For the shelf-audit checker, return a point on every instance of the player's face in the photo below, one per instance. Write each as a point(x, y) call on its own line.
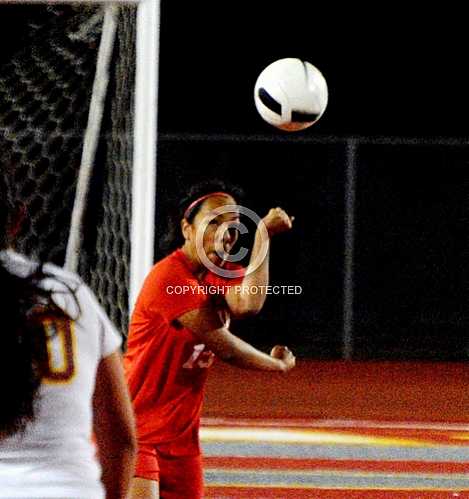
point(221, 232)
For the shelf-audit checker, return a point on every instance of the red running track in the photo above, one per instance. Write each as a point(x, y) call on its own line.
point(370, 430)
point(441, 472)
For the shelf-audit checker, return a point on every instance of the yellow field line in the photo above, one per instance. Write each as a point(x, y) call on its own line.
point(304, 437)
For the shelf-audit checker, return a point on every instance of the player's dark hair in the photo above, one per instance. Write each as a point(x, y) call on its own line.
point(173, 238)
point(22, 309)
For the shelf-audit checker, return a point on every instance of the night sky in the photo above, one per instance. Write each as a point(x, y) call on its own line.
point(390, 70)
point(392, 74)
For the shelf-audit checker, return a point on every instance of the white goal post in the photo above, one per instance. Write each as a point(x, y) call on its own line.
point(142, 225)
point(145, 137)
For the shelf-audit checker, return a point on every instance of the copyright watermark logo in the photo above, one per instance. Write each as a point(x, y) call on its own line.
point(219, 238)
point(267, 289)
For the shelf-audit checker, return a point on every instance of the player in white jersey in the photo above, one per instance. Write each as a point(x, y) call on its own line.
point(61, 379)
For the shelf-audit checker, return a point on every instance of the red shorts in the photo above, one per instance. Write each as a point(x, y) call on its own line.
point(179, 477)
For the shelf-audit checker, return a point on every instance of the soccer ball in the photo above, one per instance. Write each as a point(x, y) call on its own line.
point(291, 94)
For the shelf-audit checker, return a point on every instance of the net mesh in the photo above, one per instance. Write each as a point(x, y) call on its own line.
point(106, 254)
point(45, 92)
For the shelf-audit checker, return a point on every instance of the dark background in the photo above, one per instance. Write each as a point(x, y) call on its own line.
point(396, 121)
point(398, 87)
point(390, 70)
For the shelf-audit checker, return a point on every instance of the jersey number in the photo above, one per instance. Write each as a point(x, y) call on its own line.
point(60, 350)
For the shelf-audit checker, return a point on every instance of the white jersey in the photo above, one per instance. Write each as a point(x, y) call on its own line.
point(55, 456)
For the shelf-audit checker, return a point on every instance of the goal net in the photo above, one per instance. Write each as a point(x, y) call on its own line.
point(46, 88)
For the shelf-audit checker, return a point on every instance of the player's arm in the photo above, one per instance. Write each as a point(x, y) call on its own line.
point(114, 427)
point(215, 335)
point(241, 299)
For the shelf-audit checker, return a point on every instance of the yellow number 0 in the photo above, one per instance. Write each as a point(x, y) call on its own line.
point(60, 340)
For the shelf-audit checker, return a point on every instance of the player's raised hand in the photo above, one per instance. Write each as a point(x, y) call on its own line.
point(277, 221)
point(285, 355)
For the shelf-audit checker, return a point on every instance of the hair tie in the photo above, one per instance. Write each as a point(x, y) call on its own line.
point(203, 198)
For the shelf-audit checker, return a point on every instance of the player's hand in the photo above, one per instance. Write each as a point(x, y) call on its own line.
point(285, 355)
point(277, 221)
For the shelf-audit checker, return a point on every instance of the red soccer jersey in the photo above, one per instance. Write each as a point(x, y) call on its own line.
point(165, 364)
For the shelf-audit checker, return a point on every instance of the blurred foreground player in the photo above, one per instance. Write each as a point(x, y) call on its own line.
point(178, 327)
point(61, 371)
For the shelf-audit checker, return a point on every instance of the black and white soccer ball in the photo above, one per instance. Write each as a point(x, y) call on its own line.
point(291, 94)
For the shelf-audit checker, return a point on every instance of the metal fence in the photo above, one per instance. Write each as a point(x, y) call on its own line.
point(380, 244)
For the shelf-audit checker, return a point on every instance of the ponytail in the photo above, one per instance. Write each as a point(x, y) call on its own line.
point(23, 308)
point(25, 359)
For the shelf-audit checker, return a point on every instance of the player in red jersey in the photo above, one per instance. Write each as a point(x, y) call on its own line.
point(177, 328)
